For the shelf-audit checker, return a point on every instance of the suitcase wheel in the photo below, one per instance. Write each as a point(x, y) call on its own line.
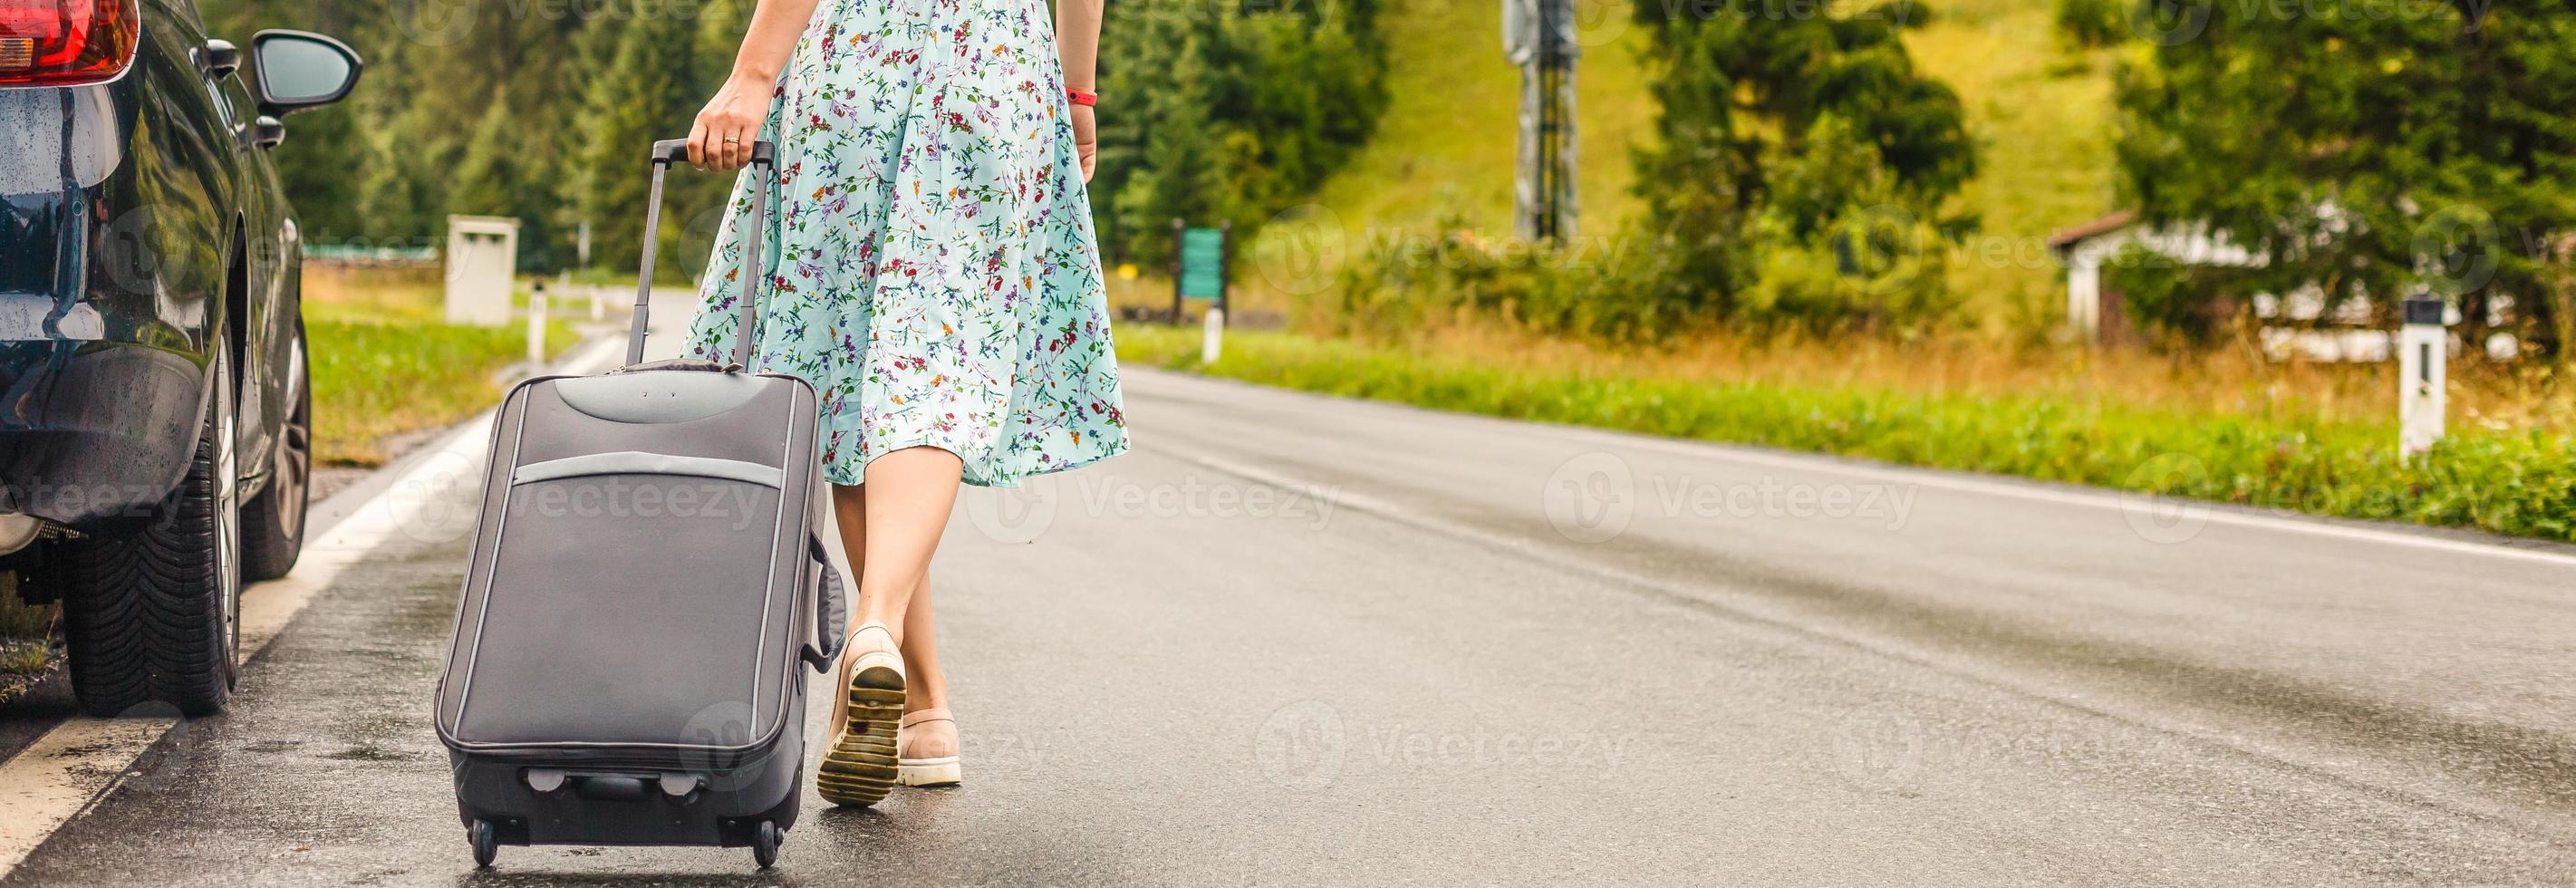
point(764, 843)
point(487, 842)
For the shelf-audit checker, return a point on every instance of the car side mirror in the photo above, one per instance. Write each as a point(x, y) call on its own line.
point(299, 70)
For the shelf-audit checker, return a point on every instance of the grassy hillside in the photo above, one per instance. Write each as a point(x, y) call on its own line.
point(1445, 146)
point(2041, 114)
point(2039, 111)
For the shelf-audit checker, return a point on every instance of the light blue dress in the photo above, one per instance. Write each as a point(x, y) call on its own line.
point(934, 272)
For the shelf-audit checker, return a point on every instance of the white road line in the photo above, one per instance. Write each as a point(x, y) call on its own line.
point(1951, 479)
point(82, 760)
point(2196, 510)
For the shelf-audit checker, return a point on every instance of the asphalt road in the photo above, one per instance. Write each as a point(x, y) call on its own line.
point(1297, 639)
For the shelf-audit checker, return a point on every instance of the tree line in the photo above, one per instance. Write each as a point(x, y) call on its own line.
point(540, 110)
point(1803, 173)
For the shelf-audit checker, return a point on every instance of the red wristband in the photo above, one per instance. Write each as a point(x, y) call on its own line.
point(1081, 98)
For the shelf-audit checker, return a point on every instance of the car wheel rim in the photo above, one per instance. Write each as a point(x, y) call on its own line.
point(227, 505)
point(295, 447)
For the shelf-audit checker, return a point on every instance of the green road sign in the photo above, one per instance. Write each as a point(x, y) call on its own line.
point(1202, 263)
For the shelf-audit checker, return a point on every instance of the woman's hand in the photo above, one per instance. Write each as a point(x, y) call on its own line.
point(721, 139)
point(1086, 139)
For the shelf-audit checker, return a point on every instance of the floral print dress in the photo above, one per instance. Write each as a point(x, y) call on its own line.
point(930, 253)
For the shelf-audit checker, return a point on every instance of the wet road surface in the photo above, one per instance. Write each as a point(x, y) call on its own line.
point(1296, 639)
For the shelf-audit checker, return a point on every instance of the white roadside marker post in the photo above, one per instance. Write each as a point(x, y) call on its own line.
point(1211, 344)
point(2423, 347)
point(598, 303)
point(537, 327)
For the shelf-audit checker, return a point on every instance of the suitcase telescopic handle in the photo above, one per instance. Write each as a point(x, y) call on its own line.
point(665, 153)
point(668, 151)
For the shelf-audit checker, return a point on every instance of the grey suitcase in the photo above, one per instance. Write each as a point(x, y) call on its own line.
point(645, 589)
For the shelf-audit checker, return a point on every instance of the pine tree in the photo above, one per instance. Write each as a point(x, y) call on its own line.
point(1740, 92)
point(488, 183)
point(624, 109)
point(2368, 154)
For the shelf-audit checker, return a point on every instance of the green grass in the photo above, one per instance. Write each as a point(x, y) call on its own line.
point(2512, 483)
point(384, 365)
point(27, 650)
point(1445, 146)
point(1446, 143)
point(2040, 112)
point(372, 380)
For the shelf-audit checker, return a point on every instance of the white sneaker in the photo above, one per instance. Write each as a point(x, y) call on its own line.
point(926, 749)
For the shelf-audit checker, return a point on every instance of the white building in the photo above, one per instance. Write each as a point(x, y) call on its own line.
point(2097, 315)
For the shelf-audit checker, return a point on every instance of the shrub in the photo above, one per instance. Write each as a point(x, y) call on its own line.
point(2171, 304)
point(2093, 22)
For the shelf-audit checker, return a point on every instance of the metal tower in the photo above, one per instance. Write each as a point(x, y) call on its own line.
point(1538, 36)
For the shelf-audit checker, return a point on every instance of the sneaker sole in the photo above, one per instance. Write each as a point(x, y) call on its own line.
point(928, 772)
point(860, 768)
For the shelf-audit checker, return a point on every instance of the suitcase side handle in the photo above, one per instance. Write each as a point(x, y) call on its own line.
point(665, 153)
point(830, 610)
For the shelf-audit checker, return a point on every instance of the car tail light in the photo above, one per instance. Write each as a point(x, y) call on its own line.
point(66, 42)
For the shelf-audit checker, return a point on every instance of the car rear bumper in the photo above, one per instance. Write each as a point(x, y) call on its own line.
point(91, 433)
point(104, 303)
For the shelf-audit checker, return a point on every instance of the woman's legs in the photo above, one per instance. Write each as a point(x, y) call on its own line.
point(890, 525)
point(926, 686)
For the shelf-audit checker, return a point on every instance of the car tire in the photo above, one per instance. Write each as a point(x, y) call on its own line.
point(273, 524)
point(154, 613)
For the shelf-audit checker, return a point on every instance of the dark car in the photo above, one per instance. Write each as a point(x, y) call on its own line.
point(155, 431)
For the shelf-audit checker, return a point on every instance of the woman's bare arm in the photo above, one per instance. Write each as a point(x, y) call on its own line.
point(1077, 41)
point(742, 103)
